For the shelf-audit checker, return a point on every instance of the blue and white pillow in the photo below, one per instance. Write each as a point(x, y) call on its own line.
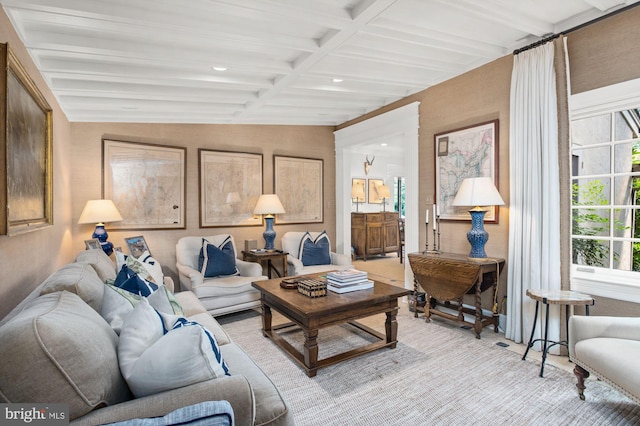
point(153, 267)
point(315, 252)
point(117, 303)
point(217, 261)
point(158, 352)
point(129, 280)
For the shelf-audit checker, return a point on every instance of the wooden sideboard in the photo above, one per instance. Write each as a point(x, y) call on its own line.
point(448, 277)
point(374, 233)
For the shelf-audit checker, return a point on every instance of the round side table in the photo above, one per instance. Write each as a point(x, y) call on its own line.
point(554, 297)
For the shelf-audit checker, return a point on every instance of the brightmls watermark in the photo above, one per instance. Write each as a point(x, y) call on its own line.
point(34, 414)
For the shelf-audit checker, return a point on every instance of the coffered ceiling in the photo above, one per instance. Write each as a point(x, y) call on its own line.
point(320, 62)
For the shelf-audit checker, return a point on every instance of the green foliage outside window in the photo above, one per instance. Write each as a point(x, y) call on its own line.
point(588, 222)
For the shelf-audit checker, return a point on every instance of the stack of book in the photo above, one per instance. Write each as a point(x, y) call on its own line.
point(348, 280)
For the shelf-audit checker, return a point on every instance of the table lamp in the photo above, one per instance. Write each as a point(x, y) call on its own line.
point(99, 212)
point(269, 205)
point(479, 192)
point(357, 194)
point(384, 193)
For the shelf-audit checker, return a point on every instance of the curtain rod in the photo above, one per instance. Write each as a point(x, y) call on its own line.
point(577, 27)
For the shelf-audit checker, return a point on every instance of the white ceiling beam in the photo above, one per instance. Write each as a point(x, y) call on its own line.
point(362, 16)
point(605, 5)
point(500, 15)
point(421, 36)
point(186, 34)
point(60, 77)
point(312, 12)
point(91, 64)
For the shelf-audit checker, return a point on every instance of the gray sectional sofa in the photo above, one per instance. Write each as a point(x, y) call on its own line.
point(56, 347)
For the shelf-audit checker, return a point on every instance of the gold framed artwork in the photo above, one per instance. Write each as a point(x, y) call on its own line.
point(146, 182)
point(26, 183)
point(372, 191)
point(230, 185)
point(298, 182)
point(468, 152)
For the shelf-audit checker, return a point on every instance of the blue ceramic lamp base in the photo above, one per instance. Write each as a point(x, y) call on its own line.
point(477, 236)
point(101, 234)
point(269, 234)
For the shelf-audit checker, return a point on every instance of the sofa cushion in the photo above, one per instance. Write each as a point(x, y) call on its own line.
point(207, 321)
point(190, 303)
point(117, 303)
point(217, 260)
point(315, 251)
point(99, 260)
point(189, 353)
point(270, 405)
point(164, 301)
point(59, 349)
point(153, 267)
point(78, 278)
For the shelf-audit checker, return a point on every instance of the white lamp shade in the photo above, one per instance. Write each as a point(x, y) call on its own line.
point(383, 191)
point(268, 204)
point(99, 211)
point(357, 192)
point(478, 191)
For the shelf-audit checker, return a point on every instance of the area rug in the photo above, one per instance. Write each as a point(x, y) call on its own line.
point(435, 376)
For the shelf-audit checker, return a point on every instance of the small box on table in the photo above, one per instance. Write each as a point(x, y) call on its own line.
point(312, 287)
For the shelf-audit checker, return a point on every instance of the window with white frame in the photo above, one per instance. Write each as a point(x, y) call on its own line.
point(605, 211)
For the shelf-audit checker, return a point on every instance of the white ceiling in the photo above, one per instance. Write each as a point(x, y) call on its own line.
point(152, 60)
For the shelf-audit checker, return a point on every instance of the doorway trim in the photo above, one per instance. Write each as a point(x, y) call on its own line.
point(401, 123)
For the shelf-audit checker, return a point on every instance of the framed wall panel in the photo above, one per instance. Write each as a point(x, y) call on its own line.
point(298, 182)
point(230, 185)
point(26, 193)
point(146, 182)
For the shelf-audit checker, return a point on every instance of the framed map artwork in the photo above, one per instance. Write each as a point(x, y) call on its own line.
point(146, 182)
point(230, 185)
point(465, 153)
point(298, 182)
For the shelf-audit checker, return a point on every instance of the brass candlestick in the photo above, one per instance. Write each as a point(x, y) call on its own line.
point(436, 238)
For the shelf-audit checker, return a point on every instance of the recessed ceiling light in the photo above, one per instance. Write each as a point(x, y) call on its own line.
point(383, 144)
point(220, 68)
point(338, 80)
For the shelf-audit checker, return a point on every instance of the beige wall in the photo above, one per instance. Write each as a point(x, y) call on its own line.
point(301, 141)
point(606, 52)
point(27, 259)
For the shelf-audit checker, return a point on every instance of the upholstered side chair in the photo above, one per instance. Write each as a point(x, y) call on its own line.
point(220, 280)
point(292, 243)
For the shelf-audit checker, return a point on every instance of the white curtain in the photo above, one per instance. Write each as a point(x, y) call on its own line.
point(534, 211)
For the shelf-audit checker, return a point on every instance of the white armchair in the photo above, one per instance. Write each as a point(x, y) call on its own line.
point(608, 347)
point(222, 294)
point(291, 244)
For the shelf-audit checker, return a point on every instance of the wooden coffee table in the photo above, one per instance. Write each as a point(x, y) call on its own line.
point(312, 314)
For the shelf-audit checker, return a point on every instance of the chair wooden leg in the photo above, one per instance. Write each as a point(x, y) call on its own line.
point(581, 374)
